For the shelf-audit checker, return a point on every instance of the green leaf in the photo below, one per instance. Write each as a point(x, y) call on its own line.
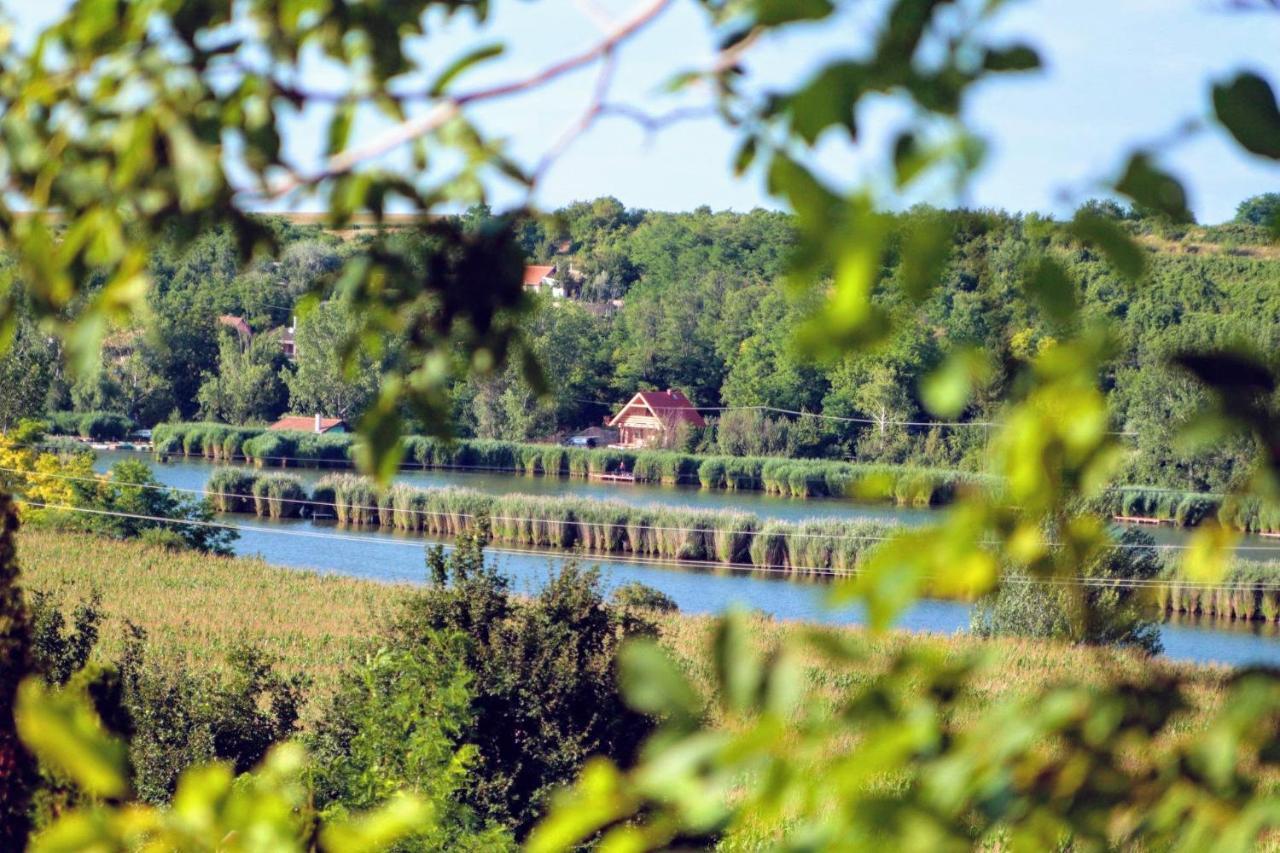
point(340, 127)
point(745, 157)
point(773, 13)
point(1122, 252)
point(1053, 291)
point(1246, 106)
point(461, 64)
point(947, 390)
point(653, 684)
point(402, 816)
point(1154, 188)
point(739, 669)
point(924, 256)
point(62, 730)
point(596, 800)
point(1017, 58)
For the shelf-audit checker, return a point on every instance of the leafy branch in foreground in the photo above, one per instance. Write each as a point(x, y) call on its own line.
point(885, 768)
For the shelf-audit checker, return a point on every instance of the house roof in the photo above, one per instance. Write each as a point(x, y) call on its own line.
point(236, 323)
point(533, 275)
point(302, 423)
point(670, 406)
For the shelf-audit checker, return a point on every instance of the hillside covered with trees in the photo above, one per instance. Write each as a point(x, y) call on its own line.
point(699, 301)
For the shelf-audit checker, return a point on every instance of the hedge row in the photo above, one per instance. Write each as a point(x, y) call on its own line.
point(905, 485)
point(603, 527)
point(99, 426)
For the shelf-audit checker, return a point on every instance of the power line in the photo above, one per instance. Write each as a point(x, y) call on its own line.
point(822, 416)
point(1084, 582)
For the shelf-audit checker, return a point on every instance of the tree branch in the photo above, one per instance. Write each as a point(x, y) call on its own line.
point(450, 107)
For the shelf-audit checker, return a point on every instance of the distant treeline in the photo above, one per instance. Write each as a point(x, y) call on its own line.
point(903, 484)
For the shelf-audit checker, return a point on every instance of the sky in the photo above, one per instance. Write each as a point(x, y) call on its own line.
point(1119, 73)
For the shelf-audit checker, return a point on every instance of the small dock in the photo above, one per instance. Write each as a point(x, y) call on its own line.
point(615, 477)
point(1141, 519)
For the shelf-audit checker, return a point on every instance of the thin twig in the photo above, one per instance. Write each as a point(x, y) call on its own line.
point(450, 107)
point(582, 124)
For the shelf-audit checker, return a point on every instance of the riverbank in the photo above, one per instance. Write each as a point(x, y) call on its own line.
point(196, 608)
point(902, 485)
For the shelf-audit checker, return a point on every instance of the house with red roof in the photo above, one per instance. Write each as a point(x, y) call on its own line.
point(542, 279)
point(302, 423)
point(651, 418)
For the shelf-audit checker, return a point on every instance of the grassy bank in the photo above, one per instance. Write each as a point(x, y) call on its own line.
point(900, 484)
point(195, 608)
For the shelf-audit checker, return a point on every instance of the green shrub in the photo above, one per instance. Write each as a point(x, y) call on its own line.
point(643, 597)
point(105, 426)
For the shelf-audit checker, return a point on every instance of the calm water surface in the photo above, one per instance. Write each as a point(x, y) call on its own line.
point(385, 556)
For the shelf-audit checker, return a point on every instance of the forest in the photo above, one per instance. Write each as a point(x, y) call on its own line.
point(699, 301)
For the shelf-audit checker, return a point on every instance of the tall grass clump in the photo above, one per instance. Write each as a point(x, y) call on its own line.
point(279, 496)
point(272, 449)
point(231, 490)
point(353, 500)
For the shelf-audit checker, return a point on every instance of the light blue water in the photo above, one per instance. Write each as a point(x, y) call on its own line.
point(385, 556)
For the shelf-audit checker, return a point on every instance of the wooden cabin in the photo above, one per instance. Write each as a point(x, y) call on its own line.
point(650, 418)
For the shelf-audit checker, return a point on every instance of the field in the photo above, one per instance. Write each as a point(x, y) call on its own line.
point(194, 608)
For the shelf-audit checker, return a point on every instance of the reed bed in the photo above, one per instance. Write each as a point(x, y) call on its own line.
point(1249, 592)
point(602, 527)
point(195, 608)
point(1187, 509)
point(801, 478)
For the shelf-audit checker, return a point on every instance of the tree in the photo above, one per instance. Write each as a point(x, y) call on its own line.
point(246, 386)
point(398, 723)
point(26, 372)
point(323, 380)
point(544, 688)
point(1261, 210)
point(139, 506)
point(16, 769)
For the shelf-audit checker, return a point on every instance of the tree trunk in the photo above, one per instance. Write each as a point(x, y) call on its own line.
point(16, 770)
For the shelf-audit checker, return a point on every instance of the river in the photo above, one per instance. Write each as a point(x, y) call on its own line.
point(386, 556)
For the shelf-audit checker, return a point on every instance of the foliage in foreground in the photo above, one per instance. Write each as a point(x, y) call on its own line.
point(1109, 603)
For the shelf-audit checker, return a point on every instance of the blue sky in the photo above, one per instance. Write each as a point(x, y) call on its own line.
point(1119, 73)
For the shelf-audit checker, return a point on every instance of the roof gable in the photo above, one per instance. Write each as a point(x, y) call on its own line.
point(533, 275)
point(668, 407)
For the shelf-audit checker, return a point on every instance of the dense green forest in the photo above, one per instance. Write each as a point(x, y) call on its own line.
point(699, 301)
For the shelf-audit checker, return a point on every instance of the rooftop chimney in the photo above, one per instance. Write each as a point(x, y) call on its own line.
point(317, 422)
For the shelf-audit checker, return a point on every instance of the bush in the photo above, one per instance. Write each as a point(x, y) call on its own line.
point(545, 687)
point(643, 596)
point(105, 426)
point(1090, 615)
point(279, 496)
